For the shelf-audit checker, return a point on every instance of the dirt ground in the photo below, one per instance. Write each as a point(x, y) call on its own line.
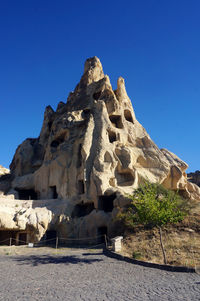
point(181, 242)
point(39, 251)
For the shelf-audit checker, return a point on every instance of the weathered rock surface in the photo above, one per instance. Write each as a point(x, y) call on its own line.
point(194, 177)
point(3, 171)
point(33, 217)
point(5, 180)
point(90, 153)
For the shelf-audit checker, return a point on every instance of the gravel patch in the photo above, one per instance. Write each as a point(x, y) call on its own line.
point(89, 275)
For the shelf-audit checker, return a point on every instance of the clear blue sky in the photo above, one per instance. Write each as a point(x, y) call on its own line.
point(153, 44)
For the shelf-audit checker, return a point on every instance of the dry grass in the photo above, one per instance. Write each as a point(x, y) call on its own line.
point(41, 251)
point(181, 242)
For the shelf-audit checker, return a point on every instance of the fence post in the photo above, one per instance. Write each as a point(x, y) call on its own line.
point(105, 241)
point(56, 243)
point(10, 244)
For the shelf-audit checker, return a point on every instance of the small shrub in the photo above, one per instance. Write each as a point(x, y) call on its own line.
point(153, 206)
point(136, 255)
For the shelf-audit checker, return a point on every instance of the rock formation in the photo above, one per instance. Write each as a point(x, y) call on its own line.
point(90, 154)
point(3, 171)
point(194, 177)
point(5, 180)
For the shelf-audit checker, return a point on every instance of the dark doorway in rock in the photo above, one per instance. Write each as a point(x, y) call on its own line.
point(116, 121)
point(97, 95)
point(7, 237)
point(54, 143)
point(82, 209)
point(79, 157)
point(81, 187)
point(22, 239)
point(102, 234)
point(50, 237)
point(58, 141)
point(27, 194)
point(86, 113)
point(112, 136)
point(125, 179)
point(54, 194)
point(105, 202)
point(128, 116)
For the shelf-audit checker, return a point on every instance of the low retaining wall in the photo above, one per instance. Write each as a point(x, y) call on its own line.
point(149, 264)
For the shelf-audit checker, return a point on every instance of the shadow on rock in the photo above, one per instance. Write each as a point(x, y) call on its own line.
point(45, 259)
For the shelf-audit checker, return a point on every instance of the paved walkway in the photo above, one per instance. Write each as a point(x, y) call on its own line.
point(90, 275)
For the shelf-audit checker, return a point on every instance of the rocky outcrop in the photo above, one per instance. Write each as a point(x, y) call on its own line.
point(91, 153)
point(5, 180)
point(194, 177)
point(3, 171)
point(31, 217)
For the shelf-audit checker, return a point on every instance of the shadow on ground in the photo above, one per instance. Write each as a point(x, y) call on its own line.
point(89, 254)
point(47, 259)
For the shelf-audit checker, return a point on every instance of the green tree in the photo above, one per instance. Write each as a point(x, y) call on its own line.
point(153, 205)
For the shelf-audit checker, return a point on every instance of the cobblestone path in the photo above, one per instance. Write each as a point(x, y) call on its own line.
point(90, 275)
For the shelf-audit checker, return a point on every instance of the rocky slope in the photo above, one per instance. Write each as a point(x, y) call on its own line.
point(91, 152)
point(181, 241)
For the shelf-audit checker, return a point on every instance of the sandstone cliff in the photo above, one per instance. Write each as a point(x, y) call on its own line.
point(91, 152)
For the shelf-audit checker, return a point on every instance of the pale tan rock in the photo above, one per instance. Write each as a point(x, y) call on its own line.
point(91, 154)
point(4, 171)
point(31, 216)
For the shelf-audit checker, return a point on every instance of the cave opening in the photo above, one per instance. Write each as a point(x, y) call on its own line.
point(55, 143)
point(86, 113)
point(81, 187)
point(82, 209)
point(7, 237)
point(10, 237)
point(112, 136)
point(22, 238)
point(101, 234)
point(54, 194)
point(50, 237)
point(105, 202)
point(97, 95)
point(116, 121)
point(27, 194)
point(125, 179)
point(128, 116)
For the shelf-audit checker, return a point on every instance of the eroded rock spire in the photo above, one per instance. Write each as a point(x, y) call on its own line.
point(91, 153)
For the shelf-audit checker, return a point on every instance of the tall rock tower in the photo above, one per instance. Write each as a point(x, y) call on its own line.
point(92, 152)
